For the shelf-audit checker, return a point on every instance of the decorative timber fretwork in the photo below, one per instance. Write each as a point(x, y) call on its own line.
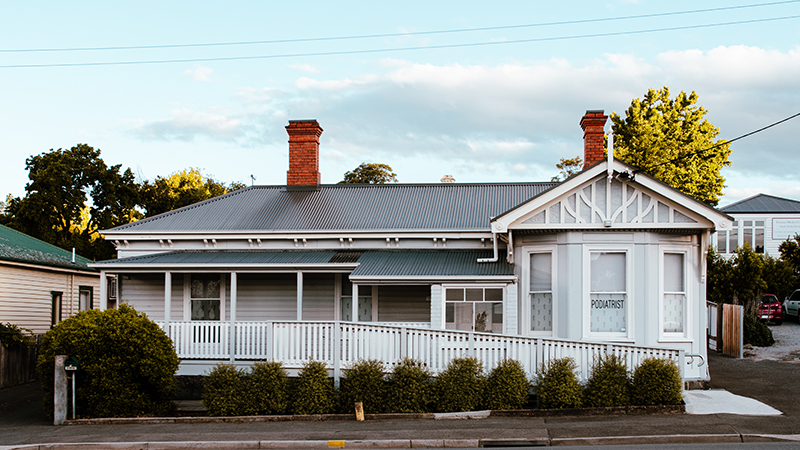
point(600, 203)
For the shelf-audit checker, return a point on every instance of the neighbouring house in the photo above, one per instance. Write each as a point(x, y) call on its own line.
point(41, 284)
point(604, 262)
point(764, 221)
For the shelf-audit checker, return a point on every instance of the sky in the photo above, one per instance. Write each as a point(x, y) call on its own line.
point(482, 91)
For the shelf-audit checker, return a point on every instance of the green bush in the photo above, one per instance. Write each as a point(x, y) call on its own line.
point(12, 336)
point(225, 391)
point(756, 332)
point(314, 393)
point(557, 385)
point(363, 381)
point(609, 383)
point(657, 382)
point(506, 386)
point(409, 387)
point(127, 363)
point(267, 389)
point(460, 386)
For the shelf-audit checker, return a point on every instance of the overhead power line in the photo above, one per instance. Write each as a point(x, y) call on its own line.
point(397, 49)
point(404, 34)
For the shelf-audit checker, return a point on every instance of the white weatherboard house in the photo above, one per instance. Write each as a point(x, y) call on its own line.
point(763, 221)
point(603, 262)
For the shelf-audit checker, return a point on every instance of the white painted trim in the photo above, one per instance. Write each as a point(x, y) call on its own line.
point(103, 291)
point(525, 309)
point(436, 279)
point(299, 295)
point(153, 267)
point(243, 235)
point(630, 334)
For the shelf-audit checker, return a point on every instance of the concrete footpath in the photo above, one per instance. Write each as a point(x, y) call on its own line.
point(24, 426)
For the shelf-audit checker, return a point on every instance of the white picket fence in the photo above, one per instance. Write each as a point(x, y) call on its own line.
point(341, 343)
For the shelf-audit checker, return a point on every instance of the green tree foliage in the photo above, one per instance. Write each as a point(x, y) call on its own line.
point(370, 173)
point(71, 196)
point(409, 387)
point(557, 385)
point(180, 189)
point(127, 361)
point(719, 288)
point(506, 386)
point(747, 281)
point(779, 277)
point(609, 383)
point(756, 332)
point(13, 336)
point(790, 252)
point(460, 386)
point(670, 140)
point(363, 382)
point(657, 382)
point(568, 168)
point(314, 394)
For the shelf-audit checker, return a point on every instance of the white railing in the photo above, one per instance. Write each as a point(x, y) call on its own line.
point(340, 343)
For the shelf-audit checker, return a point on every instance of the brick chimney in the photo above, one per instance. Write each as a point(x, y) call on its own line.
point(592, 124)
point(303, 153)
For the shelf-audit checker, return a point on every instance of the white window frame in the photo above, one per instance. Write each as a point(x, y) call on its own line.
point(674, 336)
point(187, 295)
point(629, 334)
point(483, 286)
point(525, 304)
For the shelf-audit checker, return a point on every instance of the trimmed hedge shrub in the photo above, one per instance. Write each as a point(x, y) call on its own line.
point(557, 385)
point(409, 387)
point(657, 382)
point(506, 386)
point(225, 391)
point(756, 332)
point(609, 383)
point(12, 336)
point(267, 388)
point(363, 382)
point(127, 363)
point(460, 386)
point(314, 393)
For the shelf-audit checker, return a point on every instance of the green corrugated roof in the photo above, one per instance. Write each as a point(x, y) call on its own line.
point(19, 247)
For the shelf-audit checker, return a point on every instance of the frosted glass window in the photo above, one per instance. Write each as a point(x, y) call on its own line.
point(674, 293)
point(608, 301)
point(608, 272)
point(540, 292)
point(541, 271)
point(673, 272)
point(205, 296)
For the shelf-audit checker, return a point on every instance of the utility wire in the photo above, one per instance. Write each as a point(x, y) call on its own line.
point(397, 49)
point(697, 152)
point(385, 35)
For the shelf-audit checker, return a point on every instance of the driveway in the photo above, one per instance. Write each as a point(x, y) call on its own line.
point(786, 347)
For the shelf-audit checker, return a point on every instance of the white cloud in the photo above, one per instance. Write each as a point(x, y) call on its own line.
point(187, 125)
point(304, 68)
point(199, 73)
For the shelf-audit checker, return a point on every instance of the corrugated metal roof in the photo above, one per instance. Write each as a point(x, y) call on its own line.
point(19, 247)
point(763, 203)
point(373, 263)
point(443, 206)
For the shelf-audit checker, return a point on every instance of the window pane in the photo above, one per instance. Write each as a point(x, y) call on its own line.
point(454, 295)
point(364, 289)
point(541, 312)
point(759, 245)
point(608, 272)
point(748, 223)
point(488, 317)
point(205, 285)
point(541, 271)
point(673, 313)
point(364, 307)
point(747, 237)
point(609, 313)
point(347, 287)
point(494, 295)
point(722, 240)
point(459, 316)
point(205, 309)
point(474, 295)
point(673, 272)
point(733, 240)
point(759, 223)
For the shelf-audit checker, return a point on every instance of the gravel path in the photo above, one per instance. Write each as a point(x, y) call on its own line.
point(785, 348)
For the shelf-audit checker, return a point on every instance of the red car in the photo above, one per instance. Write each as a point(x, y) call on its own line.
point(770, 309)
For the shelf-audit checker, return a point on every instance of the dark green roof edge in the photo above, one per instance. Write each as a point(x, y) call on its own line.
point(16, 246)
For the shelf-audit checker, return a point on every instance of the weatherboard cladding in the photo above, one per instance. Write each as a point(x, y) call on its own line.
point(451, 206)
point(763, 203)
point(19, 247)
point(371, 263)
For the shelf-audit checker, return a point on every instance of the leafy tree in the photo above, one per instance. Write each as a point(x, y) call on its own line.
point(568, 168)
point(369, 173)
point(779, 277)
point(181, 189)
point(790, 252)
point(748, 283)
point(670, 140)
point(73, 195)
point(719, 270)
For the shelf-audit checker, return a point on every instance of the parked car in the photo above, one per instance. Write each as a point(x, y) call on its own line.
point(770, 309)
point(791, 306)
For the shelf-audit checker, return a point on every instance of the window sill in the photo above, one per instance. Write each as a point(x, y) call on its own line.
point(682, 340)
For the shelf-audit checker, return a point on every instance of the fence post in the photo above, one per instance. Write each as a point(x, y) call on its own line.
point(471, 338)
point(60, 391)
point(270, 341)
point(337, 352)
point(682, 364)
point(403, 342)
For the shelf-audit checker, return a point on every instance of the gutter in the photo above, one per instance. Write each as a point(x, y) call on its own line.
point(494, 246)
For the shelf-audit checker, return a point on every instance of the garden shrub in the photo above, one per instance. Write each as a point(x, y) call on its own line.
point(127, 363)
point(756, 332)
point(314, 392)
point(409, 387)
point(225, 391)
point(460, 386)
point(609, 383)
point(506, 386)
point(657, 381)
point(557, 385)
point(267, 388)
point(12, 336)
point(363, 381)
